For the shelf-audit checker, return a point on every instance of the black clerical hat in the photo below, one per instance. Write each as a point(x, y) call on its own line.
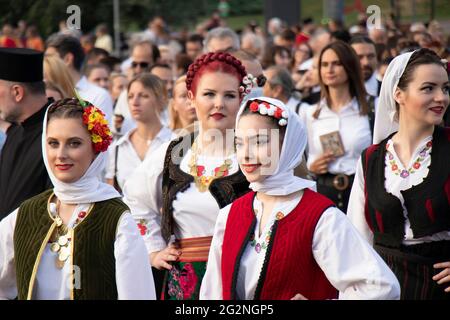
point(21, 65)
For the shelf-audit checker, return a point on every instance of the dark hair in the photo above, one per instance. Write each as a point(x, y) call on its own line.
point(68, 108)
point(214, 61)
point(110, 61)
point(342, 35)
point(349, 60)
point(195, 38)
point(183, 61)
point(95, 52)
point(361, 39)
point(419, 57)
point(273, 120)
point(89, 68)
point(65, 44)
point(34, 88)
point(288, 35)
point(269, 55)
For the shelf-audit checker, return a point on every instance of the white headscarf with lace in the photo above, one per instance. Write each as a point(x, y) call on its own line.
point(283, 181)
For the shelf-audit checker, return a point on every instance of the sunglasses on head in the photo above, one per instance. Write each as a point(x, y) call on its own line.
point(143, 65)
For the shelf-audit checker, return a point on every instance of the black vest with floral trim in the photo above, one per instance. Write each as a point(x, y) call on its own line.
point(427, 204)
point(225, 189)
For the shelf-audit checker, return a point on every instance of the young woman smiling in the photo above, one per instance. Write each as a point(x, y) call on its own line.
point(401, 197)
point(78, 233)
point(177, 193)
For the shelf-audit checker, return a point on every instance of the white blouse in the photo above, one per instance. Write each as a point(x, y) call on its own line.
point(127, 158)
point(395, 182)
point(194, 212)
point(353, 128)
point(349, 263)
point(134, 277)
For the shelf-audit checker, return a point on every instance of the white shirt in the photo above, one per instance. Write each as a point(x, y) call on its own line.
point(97, 96)
point(394, 184)
point(134, 277)
point(372, 85)
point(194, 212)
point(349, 262)
point(353, 128)
point(128, 121)
point(292, 103)
point(127, 158)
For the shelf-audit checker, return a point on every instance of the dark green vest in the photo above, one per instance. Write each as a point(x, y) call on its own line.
point(93, 246)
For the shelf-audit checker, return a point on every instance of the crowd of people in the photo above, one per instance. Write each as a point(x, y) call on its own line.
point(305, 162)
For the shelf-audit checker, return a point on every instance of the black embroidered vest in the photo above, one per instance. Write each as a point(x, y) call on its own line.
point(225, 189)
point(93, 247)
point(427, 204)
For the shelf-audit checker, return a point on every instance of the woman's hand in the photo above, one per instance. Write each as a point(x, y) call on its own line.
point(444, 275)
point(320, 165)
point(161, 259)
point(298, 296)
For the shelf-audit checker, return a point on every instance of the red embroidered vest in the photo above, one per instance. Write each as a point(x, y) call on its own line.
point(289, 267)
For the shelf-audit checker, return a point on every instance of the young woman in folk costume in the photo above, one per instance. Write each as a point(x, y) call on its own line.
point(178, 192)
point(77, 240)
point(283, 240)
point(401, 197)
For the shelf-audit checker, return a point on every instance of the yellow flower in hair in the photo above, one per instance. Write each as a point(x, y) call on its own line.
point(96, 138)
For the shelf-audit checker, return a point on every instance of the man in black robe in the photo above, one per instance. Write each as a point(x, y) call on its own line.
point(23, 103)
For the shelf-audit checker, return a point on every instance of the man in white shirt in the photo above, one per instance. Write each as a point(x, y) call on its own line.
point(367, 54)
point(69, 49)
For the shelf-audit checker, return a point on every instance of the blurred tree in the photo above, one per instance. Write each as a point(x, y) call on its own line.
point(135, 14)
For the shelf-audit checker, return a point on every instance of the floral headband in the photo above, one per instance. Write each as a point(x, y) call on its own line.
point(249, 82)
point(265, 108)
point(97, 125)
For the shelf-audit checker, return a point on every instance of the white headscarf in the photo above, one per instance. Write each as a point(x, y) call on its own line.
point(385, 124)
point(283, 181)
point(89, 188)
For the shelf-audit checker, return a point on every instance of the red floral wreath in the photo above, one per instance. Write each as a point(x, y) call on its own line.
point(97, 126)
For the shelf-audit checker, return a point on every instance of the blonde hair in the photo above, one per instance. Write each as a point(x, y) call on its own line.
point(174, 117)
point(57, 72)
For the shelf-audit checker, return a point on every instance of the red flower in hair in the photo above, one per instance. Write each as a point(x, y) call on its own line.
point(97, 126)
point(278, 113)
point(254, 106)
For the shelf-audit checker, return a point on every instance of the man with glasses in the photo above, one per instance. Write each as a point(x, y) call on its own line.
point(142, 58)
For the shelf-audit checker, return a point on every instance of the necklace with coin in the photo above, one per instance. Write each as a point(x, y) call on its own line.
point(60, 239)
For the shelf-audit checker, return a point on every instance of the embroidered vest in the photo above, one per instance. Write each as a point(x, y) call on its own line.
point(289, 266)
point(427, 204)
point(224, 189)
point(93, 247)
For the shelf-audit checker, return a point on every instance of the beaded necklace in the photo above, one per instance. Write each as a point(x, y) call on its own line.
point(202, 181)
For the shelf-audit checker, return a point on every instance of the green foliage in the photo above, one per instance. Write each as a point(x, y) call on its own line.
point(134, 14)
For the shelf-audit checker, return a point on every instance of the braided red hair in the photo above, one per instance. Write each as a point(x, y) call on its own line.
point(213, 62)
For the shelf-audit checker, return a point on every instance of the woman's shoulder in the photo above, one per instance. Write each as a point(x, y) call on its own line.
point(42, 197)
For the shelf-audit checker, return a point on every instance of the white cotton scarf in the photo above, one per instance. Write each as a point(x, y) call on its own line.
point(89, 188)
point(283, 181)
point(385, 122)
